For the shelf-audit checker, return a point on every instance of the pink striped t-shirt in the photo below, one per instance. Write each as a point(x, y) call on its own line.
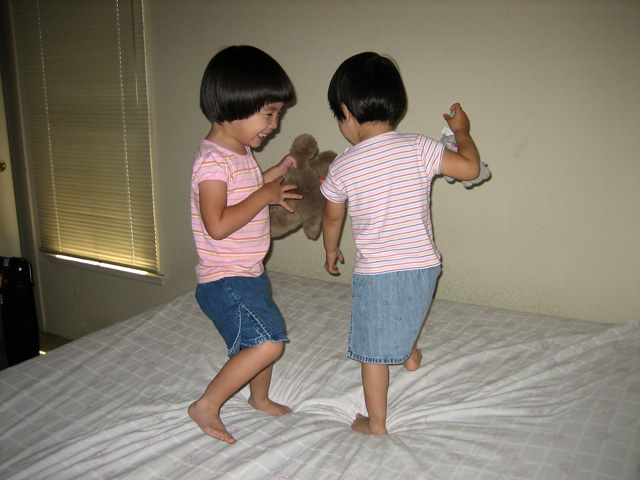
point(387, 182)
point(242, 252)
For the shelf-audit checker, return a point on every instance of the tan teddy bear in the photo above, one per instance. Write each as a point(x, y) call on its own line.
point(311, 170)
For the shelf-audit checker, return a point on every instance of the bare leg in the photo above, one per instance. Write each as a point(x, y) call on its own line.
point(413, 362)
point(259, 398)
point(239, 370)
point(375, 381)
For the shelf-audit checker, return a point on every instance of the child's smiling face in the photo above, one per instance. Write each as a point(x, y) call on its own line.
point(252, 131)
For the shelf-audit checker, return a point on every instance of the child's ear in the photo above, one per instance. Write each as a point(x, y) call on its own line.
point(346, 112)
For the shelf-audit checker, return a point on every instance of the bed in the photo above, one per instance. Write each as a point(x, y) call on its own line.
point(500, 394)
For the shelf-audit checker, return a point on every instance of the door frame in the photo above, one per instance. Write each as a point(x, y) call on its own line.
point(17, 153)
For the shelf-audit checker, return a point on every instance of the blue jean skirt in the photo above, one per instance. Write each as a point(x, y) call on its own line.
point(242, 310)
point(387, 314)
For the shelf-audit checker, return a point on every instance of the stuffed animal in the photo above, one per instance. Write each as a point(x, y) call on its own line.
point(449, 140)
point(311, 170)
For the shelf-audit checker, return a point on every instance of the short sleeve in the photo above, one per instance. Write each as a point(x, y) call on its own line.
point(210, 168)
point(332, 189)
point(431, 151)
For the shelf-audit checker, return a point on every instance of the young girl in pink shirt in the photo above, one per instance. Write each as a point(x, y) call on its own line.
point(243, 92)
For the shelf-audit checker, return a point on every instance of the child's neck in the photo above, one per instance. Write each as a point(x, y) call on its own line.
point(371, 129)
point(219, 135)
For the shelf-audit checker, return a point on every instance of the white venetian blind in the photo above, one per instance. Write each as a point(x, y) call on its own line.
point(82, 73)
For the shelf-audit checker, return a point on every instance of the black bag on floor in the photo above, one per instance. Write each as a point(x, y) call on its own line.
point(19, 332)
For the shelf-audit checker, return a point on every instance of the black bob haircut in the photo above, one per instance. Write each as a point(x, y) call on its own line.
point(371, 87)
point(239, 81)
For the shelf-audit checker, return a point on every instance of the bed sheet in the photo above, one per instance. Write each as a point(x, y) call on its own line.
point(500, 394)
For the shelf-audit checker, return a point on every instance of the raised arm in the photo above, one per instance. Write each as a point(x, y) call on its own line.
point(465, 163)
point(280, 169)
point(221, 220)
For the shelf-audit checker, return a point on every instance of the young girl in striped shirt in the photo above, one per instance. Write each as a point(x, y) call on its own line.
point(386, 178)
point(243, 92)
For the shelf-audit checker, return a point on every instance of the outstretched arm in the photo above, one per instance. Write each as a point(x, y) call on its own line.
point(221, 220)
point(332, 219)
point(465, 163)
point(280, 169)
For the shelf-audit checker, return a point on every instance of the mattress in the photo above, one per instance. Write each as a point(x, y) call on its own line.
point(500, 394)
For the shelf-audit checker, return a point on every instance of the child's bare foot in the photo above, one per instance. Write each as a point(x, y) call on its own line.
point(363, 424)
point(269, 406)
point(414, 361)
point(208, 419)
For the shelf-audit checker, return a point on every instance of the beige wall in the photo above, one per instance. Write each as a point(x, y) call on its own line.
point(551, 88)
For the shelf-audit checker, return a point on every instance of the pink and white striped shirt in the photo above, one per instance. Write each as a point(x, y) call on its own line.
point(242, 252)
point(387, 182)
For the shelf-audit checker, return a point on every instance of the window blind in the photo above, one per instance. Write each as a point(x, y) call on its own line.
point(81, 66)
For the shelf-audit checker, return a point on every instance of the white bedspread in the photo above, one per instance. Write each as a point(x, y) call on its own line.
point(501, 394)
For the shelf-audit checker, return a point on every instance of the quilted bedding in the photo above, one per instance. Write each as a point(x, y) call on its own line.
point(500, 394)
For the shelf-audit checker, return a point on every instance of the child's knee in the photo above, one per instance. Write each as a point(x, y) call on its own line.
point(272, 349)
point(277, 348)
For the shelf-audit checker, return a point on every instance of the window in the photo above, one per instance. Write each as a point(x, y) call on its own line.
point(81, 69)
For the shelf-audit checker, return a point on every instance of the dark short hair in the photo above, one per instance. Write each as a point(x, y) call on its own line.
point(371, 87)
point(239, 81)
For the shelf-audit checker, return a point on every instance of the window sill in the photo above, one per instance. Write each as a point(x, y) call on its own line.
point(103, 269)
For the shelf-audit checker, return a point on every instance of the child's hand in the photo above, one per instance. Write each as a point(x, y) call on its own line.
point(331, 265)
point(280, 168)
point(457, 119)
point(278, 193)
point(286, 163)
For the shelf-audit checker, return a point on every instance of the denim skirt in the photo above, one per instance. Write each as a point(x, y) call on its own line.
point(387, 314)
point(242, 310)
